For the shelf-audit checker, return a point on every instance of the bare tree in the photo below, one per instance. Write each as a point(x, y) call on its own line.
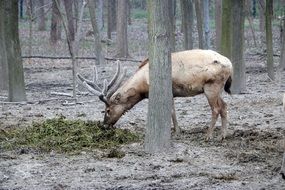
point(112, 12)
point(12, 50)
point(171, 9)
point(122, 25)
point(41, 15)
point(3, 57)
point(226, 28)
point(282, 58)
point(239, 79)
point(73, 46)
point(206, 23)
point(261, 15)
point(218, 23)
point(198, 5)
point(55, 29)
point(269, 43)
point(100, 15)
point(157, 138)
point(187, 22)
point(98, 47)
point(68, 5)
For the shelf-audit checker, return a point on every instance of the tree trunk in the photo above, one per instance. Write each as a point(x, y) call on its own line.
point(16, 83)
point(98, 47)
point(122, 25)
point(157, 138)
point(41, 15)
point(239, 78)
point(226, 28)
point(261, 15)
point(55, 29)
point(171, 8)
point(69, 14)
point(282, 58)
point(3, 56)
point(206, 23)
point(199, 23)
point(218, 23)
point(269, 43)
point(187, 22)
point(112, 12)
point(100, 15)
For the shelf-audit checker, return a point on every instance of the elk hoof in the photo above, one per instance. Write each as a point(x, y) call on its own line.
point(208, 138)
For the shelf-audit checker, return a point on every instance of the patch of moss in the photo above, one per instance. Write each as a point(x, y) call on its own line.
point(63, 135)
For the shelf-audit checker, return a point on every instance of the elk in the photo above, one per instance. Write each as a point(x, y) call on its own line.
point(193, 72)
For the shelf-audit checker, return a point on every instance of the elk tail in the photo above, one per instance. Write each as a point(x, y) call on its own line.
point(228, 84)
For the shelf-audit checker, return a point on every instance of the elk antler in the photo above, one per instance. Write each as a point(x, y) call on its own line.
point(108, 89)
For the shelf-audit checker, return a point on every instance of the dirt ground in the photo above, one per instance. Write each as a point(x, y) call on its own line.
point(249, 158)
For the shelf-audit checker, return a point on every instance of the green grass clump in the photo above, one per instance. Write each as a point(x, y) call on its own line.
point(63, 135)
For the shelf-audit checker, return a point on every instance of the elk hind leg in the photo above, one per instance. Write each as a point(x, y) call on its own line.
point(212, 94)
point(224, 115)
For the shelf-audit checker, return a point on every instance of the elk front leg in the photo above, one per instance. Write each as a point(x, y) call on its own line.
point(177, 129)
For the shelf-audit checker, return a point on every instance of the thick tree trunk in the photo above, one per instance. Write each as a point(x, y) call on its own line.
point(69, 14)
point(172, 5)
point(16, 83)
point(187, 22)
point(112, 12)
point(239, 79)
point(91, 6)
point(199, 22)
point(122, 25)
point(218, 23)
point(41, 15)
point(226, 28)
point(157, 138)
point(3, 57)
point(269, 43)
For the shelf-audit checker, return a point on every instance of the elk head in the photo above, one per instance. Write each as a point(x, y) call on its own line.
point(115, 106)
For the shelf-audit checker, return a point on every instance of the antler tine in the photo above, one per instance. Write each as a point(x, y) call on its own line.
point(90, 83)
point(92, 90)
point(112, 82)
point(104, 90)
point(95, 75)
point(117, 85)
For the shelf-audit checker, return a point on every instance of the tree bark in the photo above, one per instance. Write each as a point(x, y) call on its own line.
point(218, 23)
point(282, 58)
point(100, 15)
point(98, 47)
point(239, 78)
point(55, 29)
point(157, 138)
point(69, 15)
point(261, 6)
point(112, 12)
point(122, 25)
point(187, 22)
point(226, 28)
point(199, 23)
point(206, 23)
point(269, 43)
point(171, 9)
point(16, 83)
point(3, 56)
point(41, 15)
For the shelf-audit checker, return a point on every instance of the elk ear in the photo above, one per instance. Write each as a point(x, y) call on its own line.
point(131, 92)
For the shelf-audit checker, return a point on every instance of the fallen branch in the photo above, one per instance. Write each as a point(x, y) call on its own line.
point(61, 94)
point(83, 57)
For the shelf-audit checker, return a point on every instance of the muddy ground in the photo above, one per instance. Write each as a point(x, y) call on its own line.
point(249, 158)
